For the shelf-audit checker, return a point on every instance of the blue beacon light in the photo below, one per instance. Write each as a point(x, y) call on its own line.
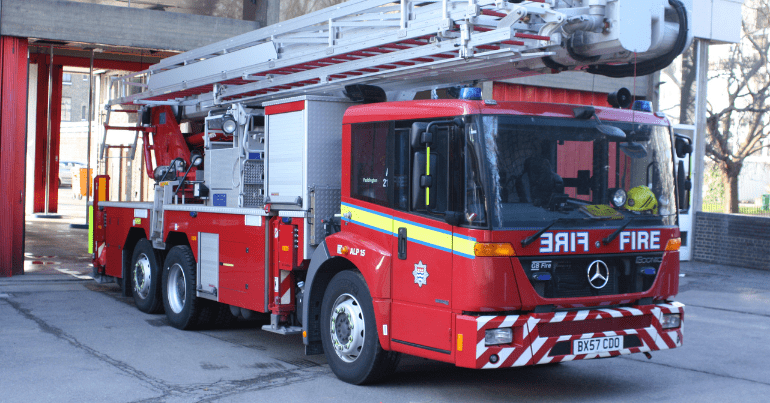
point(470, 94)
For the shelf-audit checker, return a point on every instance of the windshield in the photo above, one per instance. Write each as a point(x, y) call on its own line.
point(524, 171)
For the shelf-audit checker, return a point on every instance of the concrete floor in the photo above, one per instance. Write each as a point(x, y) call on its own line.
point(53, 247)
point(65, 338)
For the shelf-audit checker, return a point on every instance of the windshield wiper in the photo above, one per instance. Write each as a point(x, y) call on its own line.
point(614, 235)
point(537, 234)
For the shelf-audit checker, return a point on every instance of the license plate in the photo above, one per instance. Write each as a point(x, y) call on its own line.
point(597, 345)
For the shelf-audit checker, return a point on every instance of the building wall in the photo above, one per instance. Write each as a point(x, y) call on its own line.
point(296, 8)
point(732, 240)
point(76, 90)
point(213, 8)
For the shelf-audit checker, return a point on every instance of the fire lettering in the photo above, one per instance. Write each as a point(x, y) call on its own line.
point(564, 242)
point(640, 240)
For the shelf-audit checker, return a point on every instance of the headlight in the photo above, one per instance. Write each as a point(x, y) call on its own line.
point(498, 336)
point(618, 197)
point(229, 125)
point(671, 321)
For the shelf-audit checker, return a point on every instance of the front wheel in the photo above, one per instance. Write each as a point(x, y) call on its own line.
point(184, 309)
point(350, 338)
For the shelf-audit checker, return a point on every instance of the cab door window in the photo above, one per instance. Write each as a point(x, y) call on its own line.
point(370, 176)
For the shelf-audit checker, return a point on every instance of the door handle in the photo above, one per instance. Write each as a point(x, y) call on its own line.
point(402, 243)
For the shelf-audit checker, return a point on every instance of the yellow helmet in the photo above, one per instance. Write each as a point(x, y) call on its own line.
point(641, 199)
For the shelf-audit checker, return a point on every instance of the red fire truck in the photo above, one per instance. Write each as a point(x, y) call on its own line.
point(481, 233)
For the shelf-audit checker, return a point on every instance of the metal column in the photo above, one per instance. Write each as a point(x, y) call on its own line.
point(88, 147)
point(702, 47)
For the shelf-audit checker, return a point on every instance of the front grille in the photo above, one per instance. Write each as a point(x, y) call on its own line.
point(571, 281)
point(555, 329)
point(569, 275)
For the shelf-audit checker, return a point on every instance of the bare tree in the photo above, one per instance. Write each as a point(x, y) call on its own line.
point(738, 129)
point(687, 87)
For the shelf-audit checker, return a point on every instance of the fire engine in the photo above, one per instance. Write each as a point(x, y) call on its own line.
point(297, 177)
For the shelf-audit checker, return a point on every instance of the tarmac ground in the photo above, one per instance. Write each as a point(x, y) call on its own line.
point(65, 338)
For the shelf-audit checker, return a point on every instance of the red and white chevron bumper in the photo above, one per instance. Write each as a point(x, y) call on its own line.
point(550, 337)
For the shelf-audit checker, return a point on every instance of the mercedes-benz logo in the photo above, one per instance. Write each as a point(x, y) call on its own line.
point(598, 274)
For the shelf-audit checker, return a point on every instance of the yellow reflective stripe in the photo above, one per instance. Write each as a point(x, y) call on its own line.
point(427, 172)
point(427, 236)
point(418, 233)
point(90, 229)
point(463, 246)
point(372, 220)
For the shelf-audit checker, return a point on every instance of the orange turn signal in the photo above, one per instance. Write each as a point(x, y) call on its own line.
point(345, 250)
point(494, 249)
point(674, 244)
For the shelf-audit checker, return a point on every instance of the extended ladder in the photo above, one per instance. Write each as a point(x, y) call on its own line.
point(399, 46)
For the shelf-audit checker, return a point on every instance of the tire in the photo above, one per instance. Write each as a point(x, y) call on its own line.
point(350, 339)
point(145, 277)
point(183, 309)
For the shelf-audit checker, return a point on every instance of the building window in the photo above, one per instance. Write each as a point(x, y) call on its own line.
point(66, 79)
point(85, 77)
point(84, 112)
point(66, 109)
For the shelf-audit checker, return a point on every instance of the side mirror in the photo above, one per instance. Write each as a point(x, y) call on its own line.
point(682, 145)
point(423, 133)
point(684, 186)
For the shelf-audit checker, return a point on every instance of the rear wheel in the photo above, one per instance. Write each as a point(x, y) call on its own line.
point(183, 308)
point(350, 338)
point(146, 277)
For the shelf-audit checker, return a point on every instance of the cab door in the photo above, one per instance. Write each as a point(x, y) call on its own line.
point(421, 317)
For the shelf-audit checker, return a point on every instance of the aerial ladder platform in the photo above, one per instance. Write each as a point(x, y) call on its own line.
point(411, 45)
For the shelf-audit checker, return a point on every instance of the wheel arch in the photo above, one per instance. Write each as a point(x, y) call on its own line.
point(322, 268)
point(175, 238)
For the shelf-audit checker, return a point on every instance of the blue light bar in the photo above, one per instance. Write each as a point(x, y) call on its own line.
point(642, 106)
point(542, 277)
point(470, 94)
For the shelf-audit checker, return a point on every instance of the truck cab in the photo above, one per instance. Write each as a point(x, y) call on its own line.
point(483, 227)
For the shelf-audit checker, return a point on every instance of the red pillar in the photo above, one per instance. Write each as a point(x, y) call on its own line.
point(41, 124)
point(53, 155)
point(13, 124)
point(42, 137)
